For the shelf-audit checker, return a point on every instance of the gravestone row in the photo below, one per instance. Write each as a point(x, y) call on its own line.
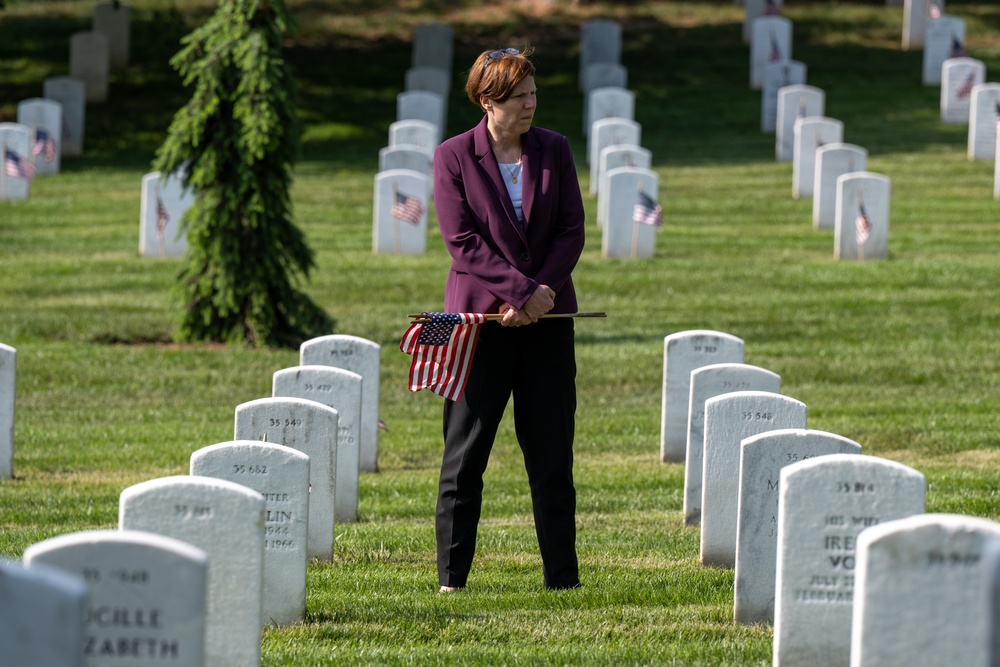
point(793, 511)
point(627, 189)
point(404, 182)
point(255, 507)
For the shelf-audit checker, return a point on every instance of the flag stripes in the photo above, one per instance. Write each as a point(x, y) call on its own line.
point(17, 166)
point(407, 208)
point(442, 351)
point(647, 211)
point(45, 145)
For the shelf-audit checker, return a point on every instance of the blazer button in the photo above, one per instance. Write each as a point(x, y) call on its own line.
point(525, 257)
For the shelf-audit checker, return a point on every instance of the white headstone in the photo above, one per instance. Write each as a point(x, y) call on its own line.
point(432, 79)
point(920, 595)
point(683, 352)
point(89, 61)
point(45, 119)
point(163, 204)
point(602, 75)
point(832, 162)
point(361, 356)
point(146, 595)
point(625, 236)
point(809, 134)
point(432, 46)
point(15, 154)
point(777, 76)
point(281, 475)
point(42, 612)
point(761, 459)
point(600, 42)
point(311, 428)
point(112, 19)
point(8, 391)
point(794, 102)
point(771, 42)
point(729, 419)
point(613, 157)
point(399, 219)
point(606, 102)
point(959, 76)
point(984, 121)
point(402, 156)
point(606, 132)
point(755, 9)
point(422, 105)
point(996, 169)
point(226, 521)
point(68, 92)
point(418, 133)
point(862, 216)
point(708, 382)
point(916, 15)
point(341, 390)
point(991, 616)
point(945, 39)
point(823, 504)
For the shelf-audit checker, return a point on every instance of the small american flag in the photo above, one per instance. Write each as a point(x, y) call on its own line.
point(18, 167)
point(442, 351)
point(965, 89)
point(862, 225)
point(771, 8)
point(647, 211)
point(45, 145)
point(775, 50)
point(934, 10)
point(407, 208)
point(958, 49)
point(996, 117)
point(162, 219)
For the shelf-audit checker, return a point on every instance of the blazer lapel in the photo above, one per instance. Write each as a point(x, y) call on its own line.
point(531, 167)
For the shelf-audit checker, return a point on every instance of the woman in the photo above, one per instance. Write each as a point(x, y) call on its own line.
point(509, 207)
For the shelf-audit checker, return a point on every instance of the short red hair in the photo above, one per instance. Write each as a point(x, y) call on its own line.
point(495, 78)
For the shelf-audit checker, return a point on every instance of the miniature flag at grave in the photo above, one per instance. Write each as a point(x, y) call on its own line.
point(162, 219)
point(647, 211)
point(775, 50)
point(862, 225)
point(407, 208)
point(965, 90)
point(45, 145)
point(771, 9)
point(958, 49)
point(442, 350)
point(18, 167)
point(996, 117)
point(933, 10)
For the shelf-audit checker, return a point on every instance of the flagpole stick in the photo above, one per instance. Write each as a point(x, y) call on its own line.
point(497, 316)
point(395, 221)
point(635, 239)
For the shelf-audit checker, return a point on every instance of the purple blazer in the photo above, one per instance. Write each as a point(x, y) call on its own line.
point(494, 260)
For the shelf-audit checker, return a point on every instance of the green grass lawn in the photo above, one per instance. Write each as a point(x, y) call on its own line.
point(900, 355)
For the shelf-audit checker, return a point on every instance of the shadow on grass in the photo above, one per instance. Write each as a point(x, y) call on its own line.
point(691, 84)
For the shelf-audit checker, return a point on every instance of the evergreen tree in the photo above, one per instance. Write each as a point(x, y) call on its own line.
point(235, 142)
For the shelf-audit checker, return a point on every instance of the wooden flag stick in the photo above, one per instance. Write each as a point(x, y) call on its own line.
point(422, 317)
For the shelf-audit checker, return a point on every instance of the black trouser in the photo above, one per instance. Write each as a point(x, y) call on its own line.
point(537, 364)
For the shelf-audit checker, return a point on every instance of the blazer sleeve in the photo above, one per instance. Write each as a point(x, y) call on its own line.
point(568, 232)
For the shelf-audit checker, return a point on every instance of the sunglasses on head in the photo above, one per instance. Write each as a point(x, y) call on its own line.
point(498, 54)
